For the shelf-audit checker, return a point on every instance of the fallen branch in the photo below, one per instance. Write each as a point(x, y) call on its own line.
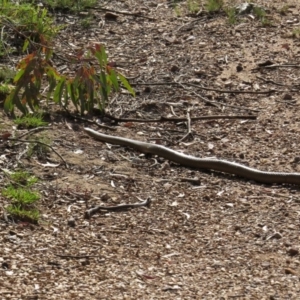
point(277, 66)
point(41, 143)
point(75, 256)
point(90, 122)
point(167, 119)
point(34, 130)
point(189, 132)
point(88, 213)
point(201, 87)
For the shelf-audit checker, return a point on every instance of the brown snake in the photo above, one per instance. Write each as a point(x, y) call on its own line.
point(201, 163)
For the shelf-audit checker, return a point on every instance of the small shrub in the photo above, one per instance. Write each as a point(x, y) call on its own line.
point(193, 6)
point(39, 149)
point(87, 87)
point(86, 22)
point(7, 75)
point(260, 14)
point(23, 178)
point(284, 10)
point(30, 121)
point(296, 33)
point(29, 25)
point(214, 5)
point(232, 15)
point(70, 5)
point(18, 212)
point(23, 198)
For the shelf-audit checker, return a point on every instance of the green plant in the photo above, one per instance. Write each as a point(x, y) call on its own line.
point(214, 5)
point(193, 6)
point(5, 90)
point(177, 10)
point(30, 121)
point(87, 87)
point(260, 14)
point(232, 15)
point(86, 22)
point(296, 33)
point(7, 75)
point(18, 212)
point(30, 24)
point(23, 198)
point(23, 178)
point(40, 149)
point(70, 5)
point(284, 10)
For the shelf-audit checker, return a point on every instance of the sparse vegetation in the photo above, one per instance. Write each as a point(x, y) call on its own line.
point(193, 6)
point(232, 15)
point(24, 25)
point(86, 22)
point(70, 5)
point(284, 9)
point(7, 75)
point(30, 121)
point(23, 198)
point(214, 5)
point(40, 149)
point(88, 87)
point(296, 33)
point(260, 14)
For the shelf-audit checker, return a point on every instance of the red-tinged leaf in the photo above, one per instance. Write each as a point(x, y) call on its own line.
point(149, 277)
point(5, 135)
point(29, 58)
point(286, 46)
point(128, 124)
point(112, 64)
point(98, 47)
point(79, 54)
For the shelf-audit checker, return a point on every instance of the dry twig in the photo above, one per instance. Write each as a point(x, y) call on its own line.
point(88, 213)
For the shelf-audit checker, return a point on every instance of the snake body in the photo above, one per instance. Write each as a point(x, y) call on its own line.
point(200, 163)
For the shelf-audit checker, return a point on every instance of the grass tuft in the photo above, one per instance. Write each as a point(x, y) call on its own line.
point(30, 121)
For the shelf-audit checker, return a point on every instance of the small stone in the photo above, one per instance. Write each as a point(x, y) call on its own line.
point(296, 159)
point(287, 97)
point(111, 16)
point(147, 89)
point(71, 222)
point(239, 68)
point(290, 271)
point(276, 235)
point(293, 251)
point(174, 69)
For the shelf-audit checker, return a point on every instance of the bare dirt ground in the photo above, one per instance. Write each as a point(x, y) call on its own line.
point(221, 237)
